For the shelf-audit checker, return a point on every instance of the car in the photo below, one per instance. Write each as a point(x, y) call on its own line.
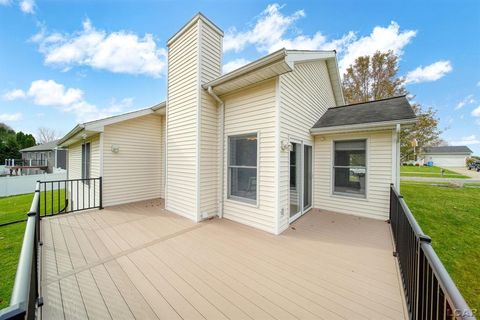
point(474, 166)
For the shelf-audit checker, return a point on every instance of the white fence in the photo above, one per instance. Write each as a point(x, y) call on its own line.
point(13, 185)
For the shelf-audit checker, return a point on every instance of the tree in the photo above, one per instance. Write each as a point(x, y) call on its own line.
point(45, 135)
point(12, 142)
point(376, 77)
point(373, 78)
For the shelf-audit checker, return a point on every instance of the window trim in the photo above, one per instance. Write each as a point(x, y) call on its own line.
point(360, 196)
point(235, 198)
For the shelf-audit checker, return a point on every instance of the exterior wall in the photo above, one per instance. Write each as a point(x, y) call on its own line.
point(210, 69)
point(183, 95)
point(446, 160)
point(192, 121)
point(254, 110)
point(380, 162)
point(305, 94)
point(135, 172)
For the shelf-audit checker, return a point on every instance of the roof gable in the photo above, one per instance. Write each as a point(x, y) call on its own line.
point(42, 147)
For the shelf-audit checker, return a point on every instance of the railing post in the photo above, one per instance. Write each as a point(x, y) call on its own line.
point(101, 193)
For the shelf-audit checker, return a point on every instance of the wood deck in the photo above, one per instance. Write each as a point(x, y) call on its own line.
point(139, 261)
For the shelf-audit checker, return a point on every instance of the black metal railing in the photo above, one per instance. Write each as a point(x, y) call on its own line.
point(429, 290)
point(25, 299)
point(63, 196)
point(26, 162)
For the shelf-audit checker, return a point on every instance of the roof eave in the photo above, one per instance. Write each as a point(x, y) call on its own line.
point(380, 125)
point(251, 67)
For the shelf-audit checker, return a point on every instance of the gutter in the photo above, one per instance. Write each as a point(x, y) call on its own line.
point(72, 133)
point(222, 134)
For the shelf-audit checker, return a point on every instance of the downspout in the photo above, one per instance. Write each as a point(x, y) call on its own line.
point(397, 160)
point(222, 122)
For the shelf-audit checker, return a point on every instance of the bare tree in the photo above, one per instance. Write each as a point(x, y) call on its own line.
point(45, 135)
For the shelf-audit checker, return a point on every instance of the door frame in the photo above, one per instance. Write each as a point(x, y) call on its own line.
point(302, 210)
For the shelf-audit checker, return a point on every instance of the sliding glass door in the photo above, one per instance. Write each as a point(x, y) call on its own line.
point(300, 179)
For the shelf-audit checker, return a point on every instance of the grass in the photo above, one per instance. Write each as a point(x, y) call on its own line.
point(14, 208)
point(451, 216)
point(429, 172)
point(11, 237)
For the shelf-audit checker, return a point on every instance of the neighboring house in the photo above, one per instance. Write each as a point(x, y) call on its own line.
point(48, 154)
point(446, 156)
point(260, 145)
point(42, 158)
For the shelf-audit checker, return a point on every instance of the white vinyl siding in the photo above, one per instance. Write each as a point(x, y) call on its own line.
point(182, 105)
point(305, 95)
point(210, 69)
point(135, 172)
point(447, 160)
point(247, 111)
point(379, 176)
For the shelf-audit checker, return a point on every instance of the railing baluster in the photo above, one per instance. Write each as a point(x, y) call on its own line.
point(430, 293)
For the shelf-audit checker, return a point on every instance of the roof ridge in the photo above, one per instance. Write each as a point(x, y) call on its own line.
point(366, 102)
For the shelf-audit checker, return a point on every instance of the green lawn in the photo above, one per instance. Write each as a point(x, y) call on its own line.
point(429, 172)
point(451, 216)
point(11, 209)
point(16, 207)
point(10, 244)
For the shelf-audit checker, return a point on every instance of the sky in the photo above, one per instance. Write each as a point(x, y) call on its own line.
point(64, 62)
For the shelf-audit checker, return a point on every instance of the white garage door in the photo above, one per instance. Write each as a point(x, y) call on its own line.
point(447, 160)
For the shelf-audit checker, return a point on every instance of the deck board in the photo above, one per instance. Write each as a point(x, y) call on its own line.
point(141, 261)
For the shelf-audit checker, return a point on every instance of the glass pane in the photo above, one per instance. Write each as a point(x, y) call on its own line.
point(350, 180)
point(350, 145)
point(350, 158)
point(243, 183)
point(243, 150)
point(307, 177)
point(295, 178)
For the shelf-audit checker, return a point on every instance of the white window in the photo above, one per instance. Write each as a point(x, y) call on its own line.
point(349, 167)
point(242, 167)
point(86, 160)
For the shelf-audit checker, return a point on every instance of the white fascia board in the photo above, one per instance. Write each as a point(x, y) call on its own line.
point(305, 56)
point(253, 66)
point(361, 127)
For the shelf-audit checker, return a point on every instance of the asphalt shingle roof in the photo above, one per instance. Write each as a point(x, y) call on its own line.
point(448, 149)
point(391, 109)
point(42, 147)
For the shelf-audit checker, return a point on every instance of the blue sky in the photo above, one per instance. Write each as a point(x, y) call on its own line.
point(62, 62)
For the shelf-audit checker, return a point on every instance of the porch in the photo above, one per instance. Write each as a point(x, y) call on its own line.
point(141, 261)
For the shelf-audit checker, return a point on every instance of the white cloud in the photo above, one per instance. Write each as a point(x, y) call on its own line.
point(5, 2)
point(13, 95)
point(476, 112)
point(380, 39)
point(468, 140)
point(234, 64)
point(432, 72)
point(27, 6)
point(466, 101)
point(50, 93)
point(6, 117)
point(118, 52)
point(273, 30)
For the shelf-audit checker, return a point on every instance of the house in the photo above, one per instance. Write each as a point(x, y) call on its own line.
point(260, 145)
point(42, 158)
point(446, 156)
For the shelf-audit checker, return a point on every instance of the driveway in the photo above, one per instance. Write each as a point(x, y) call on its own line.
point(463, 170)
